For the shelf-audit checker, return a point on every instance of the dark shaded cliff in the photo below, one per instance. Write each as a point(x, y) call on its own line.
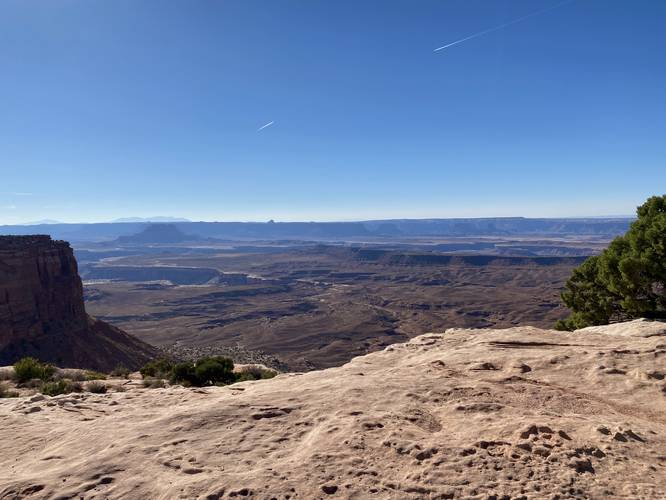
point(42, 312)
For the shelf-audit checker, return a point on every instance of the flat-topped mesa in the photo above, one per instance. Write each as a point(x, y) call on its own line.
point(42, 313)
point(22, 242)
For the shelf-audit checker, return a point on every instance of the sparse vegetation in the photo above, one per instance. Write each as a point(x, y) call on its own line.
point(96, 387)
point(158, 368)
point(153, 383)
point(213, 371)
point(216, 370)
point(7, 393)
point(52, 381)
point(60, 387)
point(254, 372)
point(93, 375)
point(206, 371)
point(6, 374)
point(70, 374)
point(183, 373)
point(120, 371)
point(627, 280)
point(27, 369)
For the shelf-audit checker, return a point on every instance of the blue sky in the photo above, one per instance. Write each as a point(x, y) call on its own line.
point(124, 108)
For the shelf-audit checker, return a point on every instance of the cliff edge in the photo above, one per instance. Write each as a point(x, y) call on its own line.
point(42, 312)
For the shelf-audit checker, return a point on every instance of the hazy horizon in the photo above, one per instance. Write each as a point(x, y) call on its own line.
point(330, 110)
point(178, 220)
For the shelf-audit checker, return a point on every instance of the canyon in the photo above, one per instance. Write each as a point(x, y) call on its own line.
point(316, 305)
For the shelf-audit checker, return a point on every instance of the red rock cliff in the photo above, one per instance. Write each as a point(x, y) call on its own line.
point(42, 312)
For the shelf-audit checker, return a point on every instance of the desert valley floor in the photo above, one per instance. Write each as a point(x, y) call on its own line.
point(317, 306)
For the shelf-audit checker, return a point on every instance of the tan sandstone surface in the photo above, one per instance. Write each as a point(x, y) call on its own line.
point(516, 413)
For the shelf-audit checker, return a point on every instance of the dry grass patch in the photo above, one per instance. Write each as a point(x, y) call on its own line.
point(5, 392)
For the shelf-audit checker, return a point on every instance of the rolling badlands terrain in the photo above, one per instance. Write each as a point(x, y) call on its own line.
point(318, 306)
point(312, 295)
point(515, 413)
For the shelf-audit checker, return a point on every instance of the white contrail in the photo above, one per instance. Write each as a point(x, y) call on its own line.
point(502, 26)
point(264, 126)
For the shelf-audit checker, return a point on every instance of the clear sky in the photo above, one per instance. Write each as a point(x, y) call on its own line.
point(117, 108)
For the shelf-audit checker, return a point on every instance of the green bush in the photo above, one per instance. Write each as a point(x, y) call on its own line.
point(627, 280)
point(183, 373)
point(254, 372)
point(158, 368)
point(93, 375)
point(60, 387)
point(29, 368)
point(120, 371)
point(212, 371)
point(215, 370)
point(96, 387)
point(244, 377)
point(206, 371)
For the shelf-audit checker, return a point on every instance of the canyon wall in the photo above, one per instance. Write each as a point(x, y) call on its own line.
point(42, 312)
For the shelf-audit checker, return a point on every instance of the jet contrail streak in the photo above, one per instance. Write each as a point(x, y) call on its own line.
point(502, 26)
point(264, 126)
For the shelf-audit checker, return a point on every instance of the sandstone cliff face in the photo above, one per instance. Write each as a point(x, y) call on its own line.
point(42, 312)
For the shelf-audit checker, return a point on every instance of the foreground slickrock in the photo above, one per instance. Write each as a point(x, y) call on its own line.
point(517, 413)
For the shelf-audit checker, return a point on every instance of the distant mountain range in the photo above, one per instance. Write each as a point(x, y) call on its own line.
point(157, 233)
point(327, 231)
point(42, 222)
point(157, 218)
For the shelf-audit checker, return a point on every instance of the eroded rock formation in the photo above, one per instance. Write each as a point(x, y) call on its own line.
point(42, 312)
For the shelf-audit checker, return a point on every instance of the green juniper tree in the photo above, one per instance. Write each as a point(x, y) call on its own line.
point(627, 280)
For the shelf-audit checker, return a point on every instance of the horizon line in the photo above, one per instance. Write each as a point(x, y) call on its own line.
point(320, 221)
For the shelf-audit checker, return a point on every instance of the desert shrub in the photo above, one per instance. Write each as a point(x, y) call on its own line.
point(153, 383)
point(217, 370)
point(183, 373)
point(29, 368)
point(7, 393)
point(60, 387)
point(158, 368)
point(254, 372)
point(93, 375)
point(206, 371)
point(120, 371)
point(71, 374)
point(6, 373)
point(244, 377)
point(627, 280)
point(33, 383)
point(96, 387)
